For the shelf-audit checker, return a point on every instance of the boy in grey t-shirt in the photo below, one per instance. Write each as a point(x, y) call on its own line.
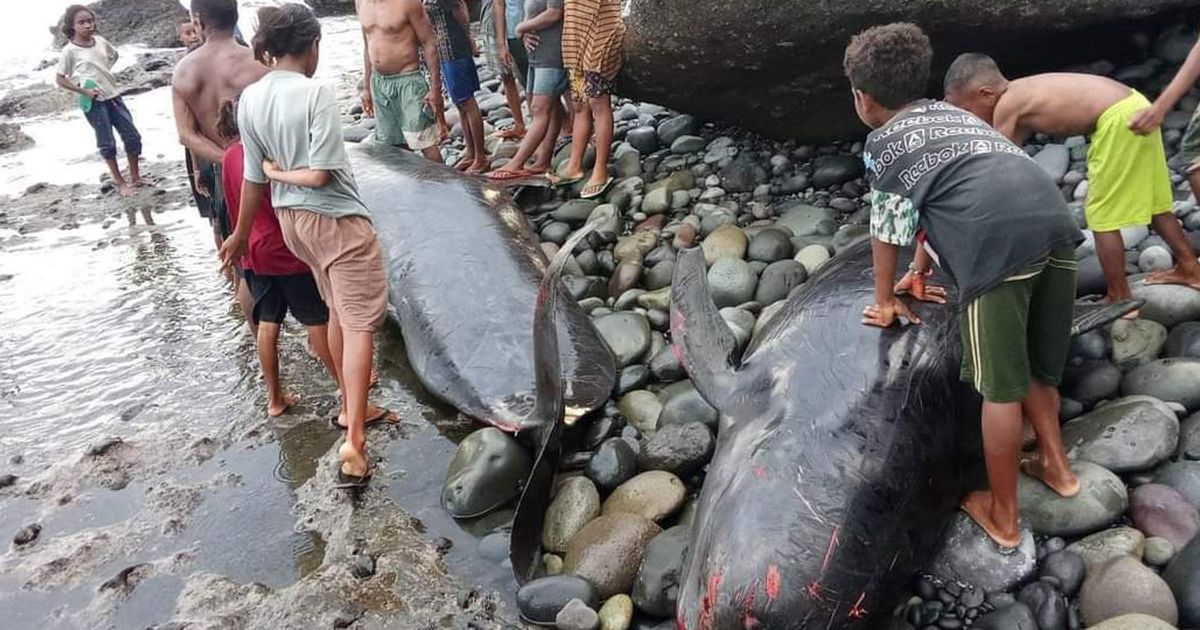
point(292, 134)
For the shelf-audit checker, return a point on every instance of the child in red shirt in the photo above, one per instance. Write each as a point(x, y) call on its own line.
point(277, 280)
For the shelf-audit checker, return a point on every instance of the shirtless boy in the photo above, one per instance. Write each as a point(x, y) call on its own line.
point(396, 33)
point(1129, 181)
point(214, 73)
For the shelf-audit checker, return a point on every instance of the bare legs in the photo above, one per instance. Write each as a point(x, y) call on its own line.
point(474, 158)
point(351, 352)
point(1110, 248)
point(513, 97)
point(544, 125)
point(996, 510)
point(596, 114)
point(1186, 270)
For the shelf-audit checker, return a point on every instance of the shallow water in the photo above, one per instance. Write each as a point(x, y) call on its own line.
point(110, 331)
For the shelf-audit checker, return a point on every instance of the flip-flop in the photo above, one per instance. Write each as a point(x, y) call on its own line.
point(563, 182)
point(599, 192)
point(507, 176)
point(382, 417)
point(353, 482)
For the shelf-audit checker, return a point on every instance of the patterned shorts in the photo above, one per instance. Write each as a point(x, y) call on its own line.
point(585, 85)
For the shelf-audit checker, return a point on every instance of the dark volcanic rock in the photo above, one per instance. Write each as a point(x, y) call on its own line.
point(1183, 576)
point(613, 464)
point(735, 60)
point(681, 449)
point(657, 585)
point(835, 170)
point(1049, 607)
point(540, 600)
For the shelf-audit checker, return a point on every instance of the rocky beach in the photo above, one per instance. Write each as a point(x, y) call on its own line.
point(141, 486)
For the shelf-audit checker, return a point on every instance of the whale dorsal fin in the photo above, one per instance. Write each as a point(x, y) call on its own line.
point(548, 410)
point(702, 340)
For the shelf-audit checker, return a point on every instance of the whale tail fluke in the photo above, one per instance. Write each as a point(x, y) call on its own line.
point(702, 340)
point(548, 410)
point(1092, 315)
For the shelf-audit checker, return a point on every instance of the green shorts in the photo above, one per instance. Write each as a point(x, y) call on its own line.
point(400, 112)
point(1021, 329)
point(1189, 148)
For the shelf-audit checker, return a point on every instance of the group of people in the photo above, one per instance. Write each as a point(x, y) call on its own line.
point(548, 47)
point(265, 142)
point(951, 177)
point(269, 169)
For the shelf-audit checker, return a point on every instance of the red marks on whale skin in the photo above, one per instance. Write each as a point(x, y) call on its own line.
point(857, 611)
point(833, 543)
point(760, 472)
point(772, 582)
point(708, 605)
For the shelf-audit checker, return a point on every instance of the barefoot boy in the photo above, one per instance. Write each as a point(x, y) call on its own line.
point(937, 168)
point(456, 49)
point(278, 281)
point(396, 34)
point(1129, 181)
point(85, 67)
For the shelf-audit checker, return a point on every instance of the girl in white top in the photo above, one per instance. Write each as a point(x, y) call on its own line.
point(85, 68)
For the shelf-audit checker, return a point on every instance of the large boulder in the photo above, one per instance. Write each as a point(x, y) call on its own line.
point(1169, 380)
point(735, 60)
point(1127, 435)
point(1101, 499)
point(333, 7)
point(607, 552)
point(1124, 586)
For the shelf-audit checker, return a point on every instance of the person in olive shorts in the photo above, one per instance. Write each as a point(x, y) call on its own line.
point(406, 105)
point(1000, 227)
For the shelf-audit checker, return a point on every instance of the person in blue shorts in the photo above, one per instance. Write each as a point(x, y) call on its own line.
point(456, 49)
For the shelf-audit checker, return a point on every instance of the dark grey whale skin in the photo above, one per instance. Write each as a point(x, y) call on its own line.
point(464, 268)
point(843, 452)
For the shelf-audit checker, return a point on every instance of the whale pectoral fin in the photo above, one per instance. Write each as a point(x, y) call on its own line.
point(1092, 315)
point(548, 411)
point(702, 340)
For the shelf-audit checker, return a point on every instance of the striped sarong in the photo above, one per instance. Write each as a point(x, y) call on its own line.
point(593, 32)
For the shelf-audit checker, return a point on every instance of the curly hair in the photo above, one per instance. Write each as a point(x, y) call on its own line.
point(890, 63)
point(227, 124)
point(285, 30)
point(68, 21)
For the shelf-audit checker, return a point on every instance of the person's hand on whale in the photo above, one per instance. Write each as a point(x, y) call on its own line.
point(913, 284)
point(884, 314)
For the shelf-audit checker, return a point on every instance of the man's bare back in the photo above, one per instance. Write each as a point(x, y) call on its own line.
point(212, 74)
point(1056, 104)
point(390, 35)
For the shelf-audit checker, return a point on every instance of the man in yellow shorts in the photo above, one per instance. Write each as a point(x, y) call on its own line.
point(1129, 183)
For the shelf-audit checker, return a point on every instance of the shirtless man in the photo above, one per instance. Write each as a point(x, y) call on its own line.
point(406, 106)
point(214, 73)
point(1129, 181)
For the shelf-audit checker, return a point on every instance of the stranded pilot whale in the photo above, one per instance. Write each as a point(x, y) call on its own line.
point(464, 268)
point(842, 453)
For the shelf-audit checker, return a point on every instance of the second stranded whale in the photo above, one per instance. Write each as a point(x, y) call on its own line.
point(842, 453)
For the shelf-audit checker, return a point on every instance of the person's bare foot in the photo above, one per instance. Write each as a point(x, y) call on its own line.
point(276, 408)
point(1175, 275)
point(125, 190)
point(1059, 479)
point(354, 460)
point(374, 377)
point(464, 162)
point(978, 505)
point(479, 166)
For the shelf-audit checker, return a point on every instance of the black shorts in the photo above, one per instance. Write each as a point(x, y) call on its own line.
point(213, 206)
point(274, 296)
